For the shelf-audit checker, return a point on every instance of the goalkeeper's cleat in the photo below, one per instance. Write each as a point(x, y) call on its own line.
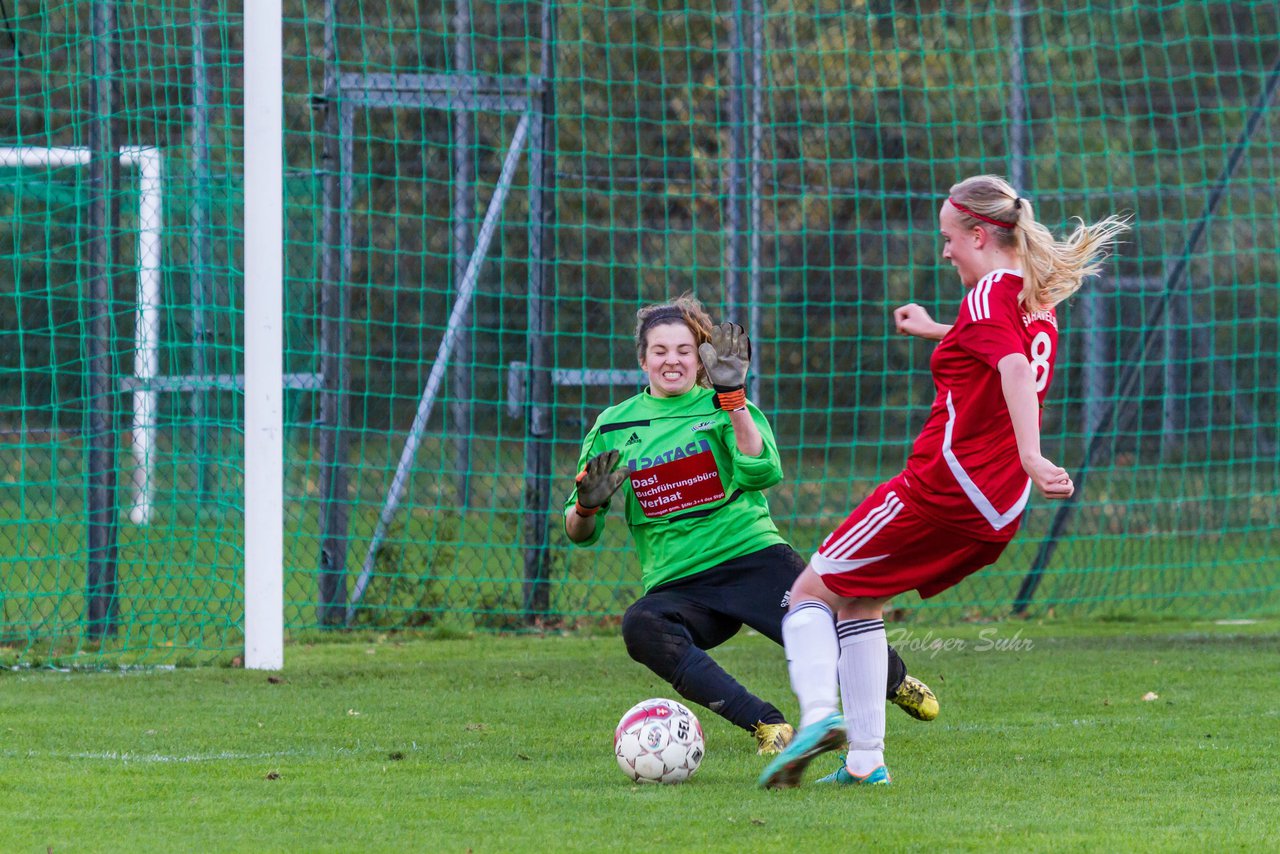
point(915, 698)
point(772, 738)
point(787, 767)
point(842, 776)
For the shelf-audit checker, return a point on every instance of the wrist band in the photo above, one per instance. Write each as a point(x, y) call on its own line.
point(735, 399)
point(584, 512)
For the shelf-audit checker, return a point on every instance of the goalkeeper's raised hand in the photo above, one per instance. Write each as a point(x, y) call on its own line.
point(597, 481)
point(726, 358)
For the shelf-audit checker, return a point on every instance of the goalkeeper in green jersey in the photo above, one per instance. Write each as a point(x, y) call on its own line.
point(695, 457)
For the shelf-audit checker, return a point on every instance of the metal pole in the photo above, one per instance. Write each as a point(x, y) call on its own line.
point(1092, 330)
point(334, 436)
point(462, 407)
point(1017, 99)
point(541, 425)
point(103, 221)
point(757, 182)
point(733, 232)
point(199, 243)
point(1170, 393)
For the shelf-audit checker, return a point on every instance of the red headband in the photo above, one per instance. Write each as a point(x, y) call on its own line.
point(977, 215)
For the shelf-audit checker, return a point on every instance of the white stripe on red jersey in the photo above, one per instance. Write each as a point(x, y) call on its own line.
point(965, 471)
point(978, 300)
point(979, 309)
point(997, 519)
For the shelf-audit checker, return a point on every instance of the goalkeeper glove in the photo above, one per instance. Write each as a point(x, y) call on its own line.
point(597, 481)
point(725, 359)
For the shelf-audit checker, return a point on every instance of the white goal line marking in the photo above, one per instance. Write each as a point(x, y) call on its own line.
point(221, 756)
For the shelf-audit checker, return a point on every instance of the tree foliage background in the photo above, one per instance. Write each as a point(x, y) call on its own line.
point(871, 110)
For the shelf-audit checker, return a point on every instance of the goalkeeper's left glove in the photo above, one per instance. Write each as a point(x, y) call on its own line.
point(726, 358)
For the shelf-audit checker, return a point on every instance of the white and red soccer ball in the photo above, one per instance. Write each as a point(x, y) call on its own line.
point(659, 741)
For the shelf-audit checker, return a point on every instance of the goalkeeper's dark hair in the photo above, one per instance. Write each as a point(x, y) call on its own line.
point(683, 309)
point(1052, 269)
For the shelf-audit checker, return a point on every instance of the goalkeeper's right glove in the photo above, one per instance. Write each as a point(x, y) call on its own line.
point(598, 481)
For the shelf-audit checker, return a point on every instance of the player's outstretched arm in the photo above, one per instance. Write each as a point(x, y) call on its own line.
point(597, 482)
point(1017, 380)
point(726, 358)
point(912, 319)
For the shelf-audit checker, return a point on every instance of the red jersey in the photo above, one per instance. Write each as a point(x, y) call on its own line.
point(964, 471)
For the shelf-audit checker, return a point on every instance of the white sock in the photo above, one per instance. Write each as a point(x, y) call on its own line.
point(809, 635)
point(864, 669)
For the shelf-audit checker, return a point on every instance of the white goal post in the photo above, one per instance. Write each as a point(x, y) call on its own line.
point(263, 336)
point(264, 380)
point(146, 327)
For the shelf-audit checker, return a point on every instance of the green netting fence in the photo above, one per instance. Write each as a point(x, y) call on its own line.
point(782, 160)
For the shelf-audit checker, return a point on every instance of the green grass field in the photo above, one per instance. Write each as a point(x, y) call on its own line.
point(496, 743)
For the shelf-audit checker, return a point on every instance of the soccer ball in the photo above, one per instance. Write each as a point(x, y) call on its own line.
point(658, 741)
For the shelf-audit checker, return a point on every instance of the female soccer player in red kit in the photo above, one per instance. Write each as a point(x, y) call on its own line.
point(971, 470)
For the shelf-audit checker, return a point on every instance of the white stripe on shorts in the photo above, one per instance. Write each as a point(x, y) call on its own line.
point(866, 529)
point(824, 565)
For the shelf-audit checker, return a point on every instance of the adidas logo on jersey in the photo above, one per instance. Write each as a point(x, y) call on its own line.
point(634, 440)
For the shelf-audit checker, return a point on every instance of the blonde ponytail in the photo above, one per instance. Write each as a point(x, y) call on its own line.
point(1052, 269)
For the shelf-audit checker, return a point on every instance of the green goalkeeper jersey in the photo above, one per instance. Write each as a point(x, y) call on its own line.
point(694, 500)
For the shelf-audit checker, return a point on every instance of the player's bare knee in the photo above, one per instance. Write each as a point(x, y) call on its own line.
point(809, 585)
point(863, 609)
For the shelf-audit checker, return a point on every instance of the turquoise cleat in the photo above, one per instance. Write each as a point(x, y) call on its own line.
point(785, 770)
point(842, 776)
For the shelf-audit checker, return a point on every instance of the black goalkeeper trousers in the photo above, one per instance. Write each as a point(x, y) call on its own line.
point(670, 628)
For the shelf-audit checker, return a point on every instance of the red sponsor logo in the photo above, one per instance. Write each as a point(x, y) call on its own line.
point(678, 485)
point(641, 716)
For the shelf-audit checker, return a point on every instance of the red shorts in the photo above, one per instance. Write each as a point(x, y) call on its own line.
point(884, 549)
